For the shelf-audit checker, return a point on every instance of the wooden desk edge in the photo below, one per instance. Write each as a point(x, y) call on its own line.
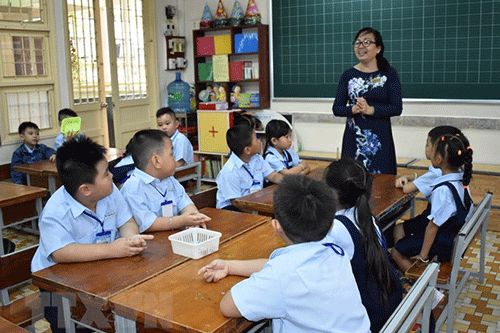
point(40, 193)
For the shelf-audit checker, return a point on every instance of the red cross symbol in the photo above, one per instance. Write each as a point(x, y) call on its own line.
point(213, 131)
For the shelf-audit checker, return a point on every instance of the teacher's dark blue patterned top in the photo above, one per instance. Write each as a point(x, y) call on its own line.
point(368, 139)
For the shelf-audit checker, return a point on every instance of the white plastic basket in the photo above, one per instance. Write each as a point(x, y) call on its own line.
point(195, 242)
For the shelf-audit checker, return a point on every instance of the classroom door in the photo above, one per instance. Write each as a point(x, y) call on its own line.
point(119, 72)
point(86, 67)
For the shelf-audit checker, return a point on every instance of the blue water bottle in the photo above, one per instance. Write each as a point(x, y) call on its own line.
point(179, 98)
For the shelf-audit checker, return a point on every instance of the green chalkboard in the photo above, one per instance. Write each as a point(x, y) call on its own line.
point(442, 49)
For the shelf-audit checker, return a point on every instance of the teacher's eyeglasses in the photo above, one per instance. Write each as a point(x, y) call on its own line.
point(365, 43)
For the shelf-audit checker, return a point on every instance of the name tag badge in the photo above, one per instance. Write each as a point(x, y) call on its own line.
point(256, 186)
point(167, 208)
point(103, 237)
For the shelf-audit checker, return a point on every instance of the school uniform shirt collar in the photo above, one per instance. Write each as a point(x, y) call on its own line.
point(276, 153)
point(148, 179)
point(238, 163)
point(75, 207)
point(176, 134)
point(28, 149)
point(295, 247)
point(449, 177)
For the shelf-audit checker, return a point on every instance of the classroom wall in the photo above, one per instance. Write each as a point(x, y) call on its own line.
point(314, 123)
point(317, 129)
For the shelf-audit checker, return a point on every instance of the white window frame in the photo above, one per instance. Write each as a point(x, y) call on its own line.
point(46, 82)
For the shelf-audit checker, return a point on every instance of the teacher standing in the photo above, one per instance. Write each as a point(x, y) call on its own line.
point(368, 95)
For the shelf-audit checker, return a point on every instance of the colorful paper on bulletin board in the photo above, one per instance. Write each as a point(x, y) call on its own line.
point(221, 68)
point(71, 124)
point(205, 72)
point(205, 45)
point(212, 128)
point(246, 43)
point(223, 44)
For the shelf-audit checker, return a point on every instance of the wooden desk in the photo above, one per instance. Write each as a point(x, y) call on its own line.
point(44, 173)
point(7, 326)
point(18, 204)
point(95, 282)
point(388, 202)
point(179, 300)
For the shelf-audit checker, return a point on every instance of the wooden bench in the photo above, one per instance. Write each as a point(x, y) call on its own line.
point(4, 171)
point(419, 298)
point(24, 311)
point(7, 326)
point(451, 277)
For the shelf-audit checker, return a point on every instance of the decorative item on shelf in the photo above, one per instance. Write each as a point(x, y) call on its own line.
point(246, 43)
point(206, 19)
point(237, 14)
point(220, 19)
point(213, 106)
point(248, 100)
point(204, 95)
point(222, 94)
point(179, 98)
point(205, 71)
point(252, 15)
point(235, 95)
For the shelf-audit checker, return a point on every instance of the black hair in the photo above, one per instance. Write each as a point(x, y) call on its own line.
point(145, 144)
point(304, 207)
point(275, 129)
point(382, 62)
point(76, 162)
point(456, 150)
point(65, 113)
point(238, 137)
point(248, 119)
point(166, 110)
point(26, 124)
point(439, 131)
point(353, 183)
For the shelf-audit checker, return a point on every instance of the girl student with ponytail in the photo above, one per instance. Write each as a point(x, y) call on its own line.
point(450, 205)
point(277, 150)
point(410, 183)
point(368, 94)
point(354, 230)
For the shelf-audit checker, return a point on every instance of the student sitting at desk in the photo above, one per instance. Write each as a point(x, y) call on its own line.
point(432, 234)
point(87, 218)
point(245, 170)
point(62, 138)
point(30, 151)
point(355, 230)
point(183, 149)
point(155, 197)
point(277, 151)
point(307, 286)
point(410, 183)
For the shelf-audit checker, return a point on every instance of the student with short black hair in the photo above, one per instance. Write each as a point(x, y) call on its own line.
point(87, 218)
point(307, 286)
point(155, 197)
point(167, 122)
point(245, 170)
point(29, 151)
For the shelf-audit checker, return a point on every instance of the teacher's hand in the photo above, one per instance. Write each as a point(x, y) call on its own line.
point(355, 109)
point(364, 107)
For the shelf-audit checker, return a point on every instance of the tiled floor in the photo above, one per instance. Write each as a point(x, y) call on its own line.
point(477, 310)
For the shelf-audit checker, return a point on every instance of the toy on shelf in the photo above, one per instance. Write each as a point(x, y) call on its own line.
point(206, 19)
point(237, 14)
point(235, 95)
point(220, 19)
point(252, 15)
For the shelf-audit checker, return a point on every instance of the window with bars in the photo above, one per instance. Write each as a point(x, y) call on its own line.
point(28, 106)
point(83, 51)
point(129, 35)
point(23, 55)
point(26, 79)
point(20, 10)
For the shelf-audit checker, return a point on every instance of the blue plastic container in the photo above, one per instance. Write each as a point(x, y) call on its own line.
point(179, 98)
